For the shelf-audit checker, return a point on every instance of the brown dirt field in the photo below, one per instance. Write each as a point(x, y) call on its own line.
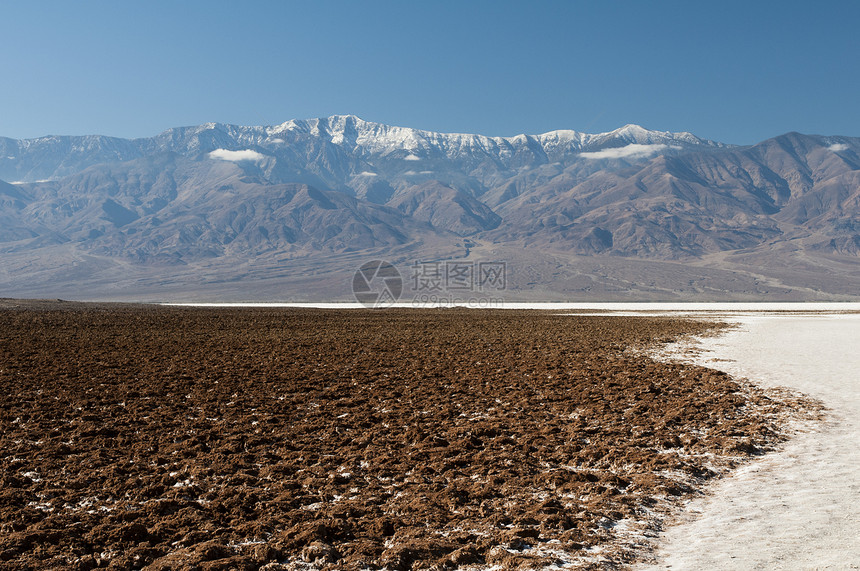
point(177, 438)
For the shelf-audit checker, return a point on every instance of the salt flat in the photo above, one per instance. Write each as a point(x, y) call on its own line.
point(796, 508)
point(615, 308)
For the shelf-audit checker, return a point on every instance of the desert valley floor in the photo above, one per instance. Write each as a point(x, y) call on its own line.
point(271, 438)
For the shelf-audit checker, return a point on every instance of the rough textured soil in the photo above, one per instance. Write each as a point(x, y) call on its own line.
point(177, 438)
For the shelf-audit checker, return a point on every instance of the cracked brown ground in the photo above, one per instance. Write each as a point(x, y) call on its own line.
point(179, 438)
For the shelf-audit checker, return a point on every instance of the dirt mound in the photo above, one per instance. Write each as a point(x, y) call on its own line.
point(168, 438)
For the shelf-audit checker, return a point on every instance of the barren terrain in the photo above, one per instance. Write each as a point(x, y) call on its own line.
point(178, 438)
point(795, 508)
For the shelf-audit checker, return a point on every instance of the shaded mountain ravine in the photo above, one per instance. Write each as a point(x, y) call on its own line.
point(289, 212)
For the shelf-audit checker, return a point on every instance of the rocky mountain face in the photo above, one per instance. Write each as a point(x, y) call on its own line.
point(320, 194)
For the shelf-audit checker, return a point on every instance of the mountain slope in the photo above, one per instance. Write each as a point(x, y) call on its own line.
point(323, 194)
point(171, 208)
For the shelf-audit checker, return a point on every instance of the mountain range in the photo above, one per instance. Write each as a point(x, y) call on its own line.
point(288, 212)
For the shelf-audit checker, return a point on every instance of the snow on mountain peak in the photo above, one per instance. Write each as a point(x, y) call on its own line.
point(638, 134)
point(632, 129)
point(354, 136)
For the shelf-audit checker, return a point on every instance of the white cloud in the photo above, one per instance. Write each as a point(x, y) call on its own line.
point(411, 157)
point(367, 173)
point(632, 151)
point(236, 156)
point(836, 147)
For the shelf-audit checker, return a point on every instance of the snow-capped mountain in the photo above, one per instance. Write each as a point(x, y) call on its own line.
point(223, 204)
point(349, 140)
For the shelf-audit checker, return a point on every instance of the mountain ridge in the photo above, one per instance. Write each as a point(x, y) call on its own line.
point(320, 194)
point(368, 136)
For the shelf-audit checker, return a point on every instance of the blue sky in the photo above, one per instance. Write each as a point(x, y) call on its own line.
point(737, 72)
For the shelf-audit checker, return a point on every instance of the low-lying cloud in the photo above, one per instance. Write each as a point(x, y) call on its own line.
point(836, 147)
point(632, 151)
point(236, 156)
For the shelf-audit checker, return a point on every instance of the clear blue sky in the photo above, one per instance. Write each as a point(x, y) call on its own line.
point(733, 71)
